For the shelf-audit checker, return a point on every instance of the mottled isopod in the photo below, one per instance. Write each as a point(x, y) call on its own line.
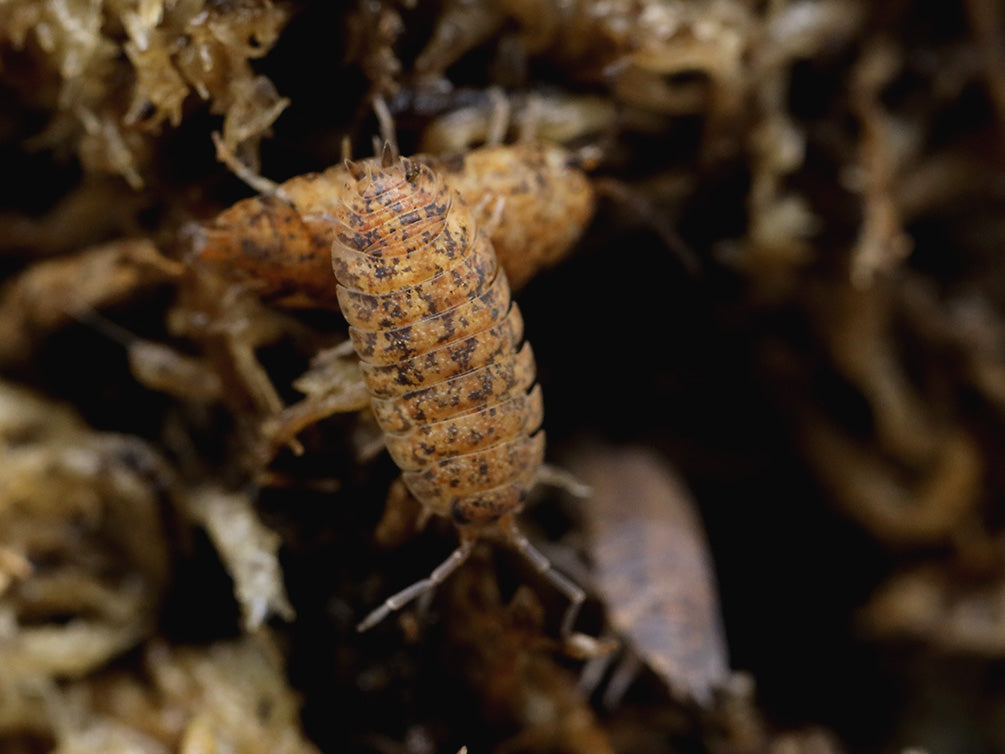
point(438, 338)
point(281, 241)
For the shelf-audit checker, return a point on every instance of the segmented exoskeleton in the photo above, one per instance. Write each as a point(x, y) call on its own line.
point(439, 343)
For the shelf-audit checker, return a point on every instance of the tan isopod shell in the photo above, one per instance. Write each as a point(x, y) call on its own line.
point(439, 342)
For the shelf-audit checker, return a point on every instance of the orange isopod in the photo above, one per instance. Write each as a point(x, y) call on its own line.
point(439, 341)
point(280, 242)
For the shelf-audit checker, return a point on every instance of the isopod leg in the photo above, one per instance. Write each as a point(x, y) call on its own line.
point(553, 476)
point(646, 211)
point(409, 593)
point(625, 673)
point(491, 225)
point(562, 583)
point(283, 427)
point(259, 183)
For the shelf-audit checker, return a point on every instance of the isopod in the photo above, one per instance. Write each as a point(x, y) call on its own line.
point(280, 242)
point(439, 342)
point(653, 569)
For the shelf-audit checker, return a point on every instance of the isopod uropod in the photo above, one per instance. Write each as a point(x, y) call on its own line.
point(431, 320)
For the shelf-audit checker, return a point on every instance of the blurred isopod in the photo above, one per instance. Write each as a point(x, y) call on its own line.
point(652, 567)
point(532, 199)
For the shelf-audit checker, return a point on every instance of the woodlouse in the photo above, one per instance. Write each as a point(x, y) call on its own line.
point(439, 340)
point(280, 242)
point(653, 568)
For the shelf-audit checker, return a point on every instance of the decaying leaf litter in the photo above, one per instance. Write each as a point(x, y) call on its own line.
point(829, 384)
